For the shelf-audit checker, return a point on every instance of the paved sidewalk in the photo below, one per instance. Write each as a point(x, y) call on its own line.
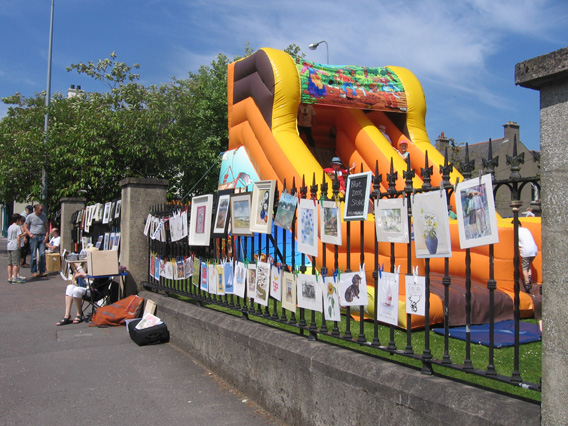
point(76, 374)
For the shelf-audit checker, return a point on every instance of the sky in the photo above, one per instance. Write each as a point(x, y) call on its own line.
point(463, 52)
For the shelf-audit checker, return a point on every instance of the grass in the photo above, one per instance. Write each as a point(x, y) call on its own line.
point(530, 367)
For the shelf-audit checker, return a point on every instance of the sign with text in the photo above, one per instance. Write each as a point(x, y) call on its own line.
point(357, 196)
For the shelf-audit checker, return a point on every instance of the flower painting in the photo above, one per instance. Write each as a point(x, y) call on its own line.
point(307, 227)
point(431, 225)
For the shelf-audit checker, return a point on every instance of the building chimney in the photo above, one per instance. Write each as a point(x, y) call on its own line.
point(512, 130)
point(442, 143)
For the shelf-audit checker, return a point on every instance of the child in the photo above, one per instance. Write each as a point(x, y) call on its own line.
point(14, 238)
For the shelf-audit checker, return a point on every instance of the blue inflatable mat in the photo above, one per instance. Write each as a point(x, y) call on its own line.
point(504, 333)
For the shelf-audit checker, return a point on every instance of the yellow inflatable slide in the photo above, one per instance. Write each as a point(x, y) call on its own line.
point(363, 115)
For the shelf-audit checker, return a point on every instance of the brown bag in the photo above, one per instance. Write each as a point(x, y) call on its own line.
point(116, 314)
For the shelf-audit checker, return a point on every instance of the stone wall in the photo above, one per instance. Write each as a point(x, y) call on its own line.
point(313, 383)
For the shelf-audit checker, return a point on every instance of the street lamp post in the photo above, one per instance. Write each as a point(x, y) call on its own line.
point(314, 46)
point(46, 119)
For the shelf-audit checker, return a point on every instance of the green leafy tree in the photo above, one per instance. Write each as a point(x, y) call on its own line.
point(174, 131)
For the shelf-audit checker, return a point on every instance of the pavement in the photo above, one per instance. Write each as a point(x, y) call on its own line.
point(76, 374)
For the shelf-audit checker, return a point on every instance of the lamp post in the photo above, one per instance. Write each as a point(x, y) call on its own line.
point(46, 119)
point(314, 46)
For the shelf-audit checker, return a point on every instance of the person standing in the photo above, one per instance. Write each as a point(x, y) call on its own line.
point(306, 119)
point(13, 248)
point(36, 229)
point(25, 243)
point(528, 251)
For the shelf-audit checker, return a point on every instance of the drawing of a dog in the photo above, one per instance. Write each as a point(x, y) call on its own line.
point(353, 290)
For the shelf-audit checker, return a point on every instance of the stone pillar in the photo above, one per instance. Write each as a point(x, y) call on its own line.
point(549, 75)
point(68, 207)
point(138, 195)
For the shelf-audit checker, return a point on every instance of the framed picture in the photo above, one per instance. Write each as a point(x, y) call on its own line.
point(330, 223)
point(222, 213)
point(240, 214)
point(285, 211)
point(106, 213)
point(391, 220)
point(289, 291)
point(262, 206)
point(357, 194)
point(307, 227)
point(475, 207)
point(200, 220)
point(117, 209)
point(431, 225)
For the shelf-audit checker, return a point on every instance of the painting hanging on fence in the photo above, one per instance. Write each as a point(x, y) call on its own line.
point(106, 213)
point(353, 289)
point(276, 279)
point(391, 220)
point(204, 276)
point(330, 223)
point(431, 225)
point(240, 214)
point(289, 291)
point(196, 271)
point(358, 190)
point(117, 209)
point(307, 227)
point(475, 207)
point(251, 280)
point(309, 292)
point(220, 279)
point(415, 294)
point(330, 291)
point(239, 279)
point(188, 267)
point(222, 214)
point(262, 283)
point(228, 274)
point(387, 301)
point(262, 206)
point(286, 210)
point(212, 279)
point(200, 220)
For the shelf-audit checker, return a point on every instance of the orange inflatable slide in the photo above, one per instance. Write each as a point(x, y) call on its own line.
point(351, 102)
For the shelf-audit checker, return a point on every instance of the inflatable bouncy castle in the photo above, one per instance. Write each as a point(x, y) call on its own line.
point(363, 116)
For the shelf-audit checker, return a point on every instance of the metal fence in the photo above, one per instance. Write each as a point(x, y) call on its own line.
point(315, 326)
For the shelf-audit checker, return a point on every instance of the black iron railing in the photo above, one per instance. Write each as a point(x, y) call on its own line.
point(315, 326)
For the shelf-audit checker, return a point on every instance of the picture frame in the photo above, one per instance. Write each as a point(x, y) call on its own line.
point(289, 291)
point(240, 214)
point(431, 225)
point(222, 213)
point(106, 212)
point(117, 209)
point(307, 227)
point(358, 190)
point(262, 206)
point(475, 208)
point(200, 220)
point(391, 220)
point(330, 223)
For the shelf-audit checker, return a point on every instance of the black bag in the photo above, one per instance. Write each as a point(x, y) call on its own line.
point(148, 336)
